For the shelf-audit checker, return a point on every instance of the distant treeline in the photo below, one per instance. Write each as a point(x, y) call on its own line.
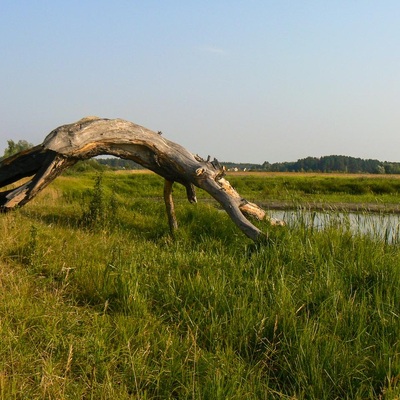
point(332, 163)
point(119, 163)
point(343, 164)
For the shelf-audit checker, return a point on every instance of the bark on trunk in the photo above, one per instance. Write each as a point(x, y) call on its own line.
point(93, 136)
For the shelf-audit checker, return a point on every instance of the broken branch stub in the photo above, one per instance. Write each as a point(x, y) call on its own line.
point(93, 136)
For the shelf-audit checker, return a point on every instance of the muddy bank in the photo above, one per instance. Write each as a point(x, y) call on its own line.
point(341, 207)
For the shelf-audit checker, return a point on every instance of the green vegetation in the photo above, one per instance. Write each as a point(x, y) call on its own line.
point(333, 163)
point(327, 188)
point(98, 302)
point(13, 148)
point(119, 163)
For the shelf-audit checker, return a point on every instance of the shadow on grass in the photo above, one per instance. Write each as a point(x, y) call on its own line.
point(61, 220)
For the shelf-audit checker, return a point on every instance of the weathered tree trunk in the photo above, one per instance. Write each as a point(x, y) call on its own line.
point(94, 136)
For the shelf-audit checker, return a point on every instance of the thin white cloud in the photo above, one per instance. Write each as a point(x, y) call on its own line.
point(213, 50)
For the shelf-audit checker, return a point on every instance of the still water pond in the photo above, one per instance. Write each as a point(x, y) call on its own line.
point(379, 226)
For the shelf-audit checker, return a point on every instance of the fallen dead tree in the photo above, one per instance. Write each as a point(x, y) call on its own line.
point(93, 136)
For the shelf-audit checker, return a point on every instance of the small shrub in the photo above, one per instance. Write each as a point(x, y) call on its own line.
point(101, 212)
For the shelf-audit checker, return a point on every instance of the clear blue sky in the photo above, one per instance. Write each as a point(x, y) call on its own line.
point(244, 81)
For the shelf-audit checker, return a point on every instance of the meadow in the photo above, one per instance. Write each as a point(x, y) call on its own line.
point(98, 301)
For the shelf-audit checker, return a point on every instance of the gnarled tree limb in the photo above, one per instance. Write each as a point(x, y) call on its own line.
point(93, 136)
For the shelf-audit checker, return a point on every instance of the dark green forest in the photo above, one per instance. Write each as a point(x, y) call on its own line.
point(332, 163)
point(335, 163)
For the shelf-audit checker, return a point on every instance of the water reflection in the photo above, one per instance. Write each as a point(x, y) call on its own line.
point(380, 226)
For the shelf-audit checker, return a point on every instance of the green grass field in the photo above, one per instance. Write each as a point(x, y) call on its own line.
point(97, 301)
point(327, 188)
